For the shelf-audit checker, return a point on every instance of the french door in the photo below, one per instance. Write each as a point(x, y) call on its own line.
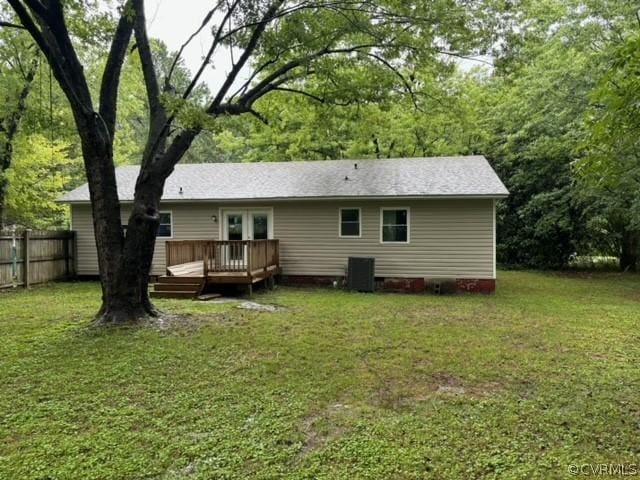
point(245, 224)
point(250, 224)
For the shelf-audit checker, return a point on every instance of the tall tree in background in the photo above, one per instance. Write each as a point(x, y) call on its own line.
point(18, 67)
point(540, 99)
point(610, 167)
point(534, 120)
point(284, 42)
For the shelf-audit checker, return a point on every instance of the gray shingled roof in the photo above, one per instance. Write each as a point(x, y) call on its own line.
point(400, 177)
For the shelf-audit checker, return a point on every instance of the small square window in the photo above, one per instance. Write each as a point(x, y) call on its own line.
point(165, 228)
point(395, 225)
point(349, 222)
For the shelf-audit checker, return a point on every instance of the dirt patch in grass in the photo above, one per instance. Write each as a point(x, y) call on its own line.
point(398, 393)
point(324, 426)
point(165, 322)
point(191, 323)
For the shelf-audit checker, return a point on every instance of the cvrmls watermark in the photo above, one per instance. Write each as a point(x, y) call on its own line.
point(604, 469)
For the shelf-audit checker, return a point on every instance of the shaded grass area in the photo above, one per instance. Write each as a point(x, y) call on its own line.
point(336, 385)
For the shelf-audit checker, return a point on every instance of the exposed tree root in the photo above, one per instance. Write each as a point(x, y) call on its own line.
point(122, 314)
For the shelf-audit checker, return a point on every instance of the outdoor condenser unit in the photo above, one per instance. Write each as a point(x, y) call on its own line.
point(361, 273)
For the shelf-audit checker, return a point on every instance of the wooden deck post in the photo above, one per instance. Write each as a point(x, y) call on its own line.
point(26, 255)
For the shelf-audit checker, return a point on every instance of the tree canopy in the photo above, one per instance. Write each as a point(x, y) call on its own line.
point(548, 91)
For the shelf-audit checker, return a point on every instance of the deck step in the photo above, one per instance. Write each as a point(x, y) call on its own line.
point(181, 295)
point(177, 287)
point(174, 279)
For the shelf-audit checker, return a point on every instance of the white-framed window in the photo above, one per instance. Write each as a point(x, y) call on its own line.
point(165, 229)
point(395, 225)
point(350, 222)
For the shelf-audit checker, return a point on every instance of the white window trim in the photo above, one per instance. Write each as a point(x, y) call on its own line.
point(170, 212)
point(340, 222)
point(384, 209)
point(246, 214)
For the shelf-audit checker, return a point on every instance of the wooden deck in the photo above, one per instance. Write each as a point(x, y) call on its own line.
point(203, 263)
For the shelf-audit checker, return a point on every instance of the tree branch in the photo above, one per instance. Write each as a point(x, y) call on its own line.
point(212, 49)
point(270, 81)
point(246, 54)
point(158, 125)
point(176, 59)
point(29, 24)
point(113, 68)
point(9, 126)
point(12, 25)
point(301, 92)
point(71, 79)
point(402, 78)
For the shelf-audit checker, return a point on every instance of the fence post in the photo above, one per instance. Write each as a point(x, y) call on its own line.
point(68, 249)
point(26, 257)
point(73, 238)
point(14, 258)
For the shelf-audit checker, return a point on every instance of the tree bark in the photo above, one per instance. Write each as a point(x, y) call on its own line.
point(126, 296)
point(629, 252)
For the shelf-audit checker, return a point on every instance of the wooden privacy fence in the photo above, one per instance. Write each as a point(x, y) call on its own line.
point(32, 257)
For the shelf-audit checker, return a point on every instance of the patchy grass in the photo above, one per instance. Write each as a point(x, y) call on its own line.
point(337, 385)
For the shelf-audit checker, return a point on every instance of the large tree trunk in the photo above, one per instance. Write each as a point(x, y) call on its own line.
point(124, 260)
point(126, 293)
point(629, 252)
point(125, 296)
point(125, 278)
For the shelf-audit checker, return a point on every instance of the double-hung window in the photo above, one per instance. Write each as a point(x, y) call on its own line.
point(349, 222)
point(165, 229)
point(394, 225)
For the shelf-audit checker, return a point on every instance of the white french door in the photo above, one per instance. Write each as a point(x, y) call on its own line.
point(245, 224)
point(249, 224)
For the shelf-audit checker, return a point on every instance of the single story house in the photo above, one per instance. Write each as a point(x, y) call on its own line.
point(422, 219)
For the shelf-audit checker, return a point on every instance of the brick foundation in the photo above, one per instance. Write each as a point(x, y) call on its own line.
point(310, 280)
point(404, 285)
point(486, 285)
point(395, 284)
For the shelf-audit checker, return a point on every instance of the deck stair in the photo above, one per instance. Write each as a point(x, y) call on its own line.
point(177, 287)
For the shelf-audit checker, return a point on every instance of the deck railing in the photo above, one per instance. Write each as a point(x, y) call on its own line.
point(178, 252)
point(243, 256)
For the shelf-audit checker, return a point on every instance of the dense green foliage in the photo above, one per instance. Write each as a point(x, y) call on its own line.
point(556, 114)
point(337, 385)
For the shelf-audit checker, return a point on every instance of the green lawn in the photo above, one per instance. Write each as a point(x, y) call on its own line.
point(544, 374)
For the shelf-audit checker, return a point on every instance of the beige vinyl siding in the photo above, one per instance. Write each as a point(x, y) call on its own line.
point(190, 222)
point(448, 238)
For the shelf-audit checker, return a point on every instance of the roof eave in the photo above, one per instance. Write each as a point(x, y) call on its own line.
point(496, 196)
